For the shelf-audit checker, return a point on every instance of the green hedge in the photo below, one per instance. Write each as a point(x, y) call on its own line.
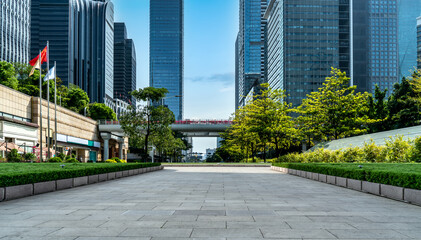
point(401, 175)
point(12, 174)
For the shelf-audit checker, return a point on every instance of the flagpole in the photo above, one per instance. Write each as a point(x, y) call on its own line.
point(48, 102)
point(40, 109)
point(55, 108)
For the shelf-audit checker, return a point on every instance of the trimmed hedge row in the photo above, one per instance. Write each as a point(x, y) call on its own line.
point(26, 173)
point(401, 175)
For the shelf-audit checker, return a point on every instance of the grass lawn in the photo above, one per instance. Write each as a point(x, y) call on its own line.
point(398, 174)
point(12, 174)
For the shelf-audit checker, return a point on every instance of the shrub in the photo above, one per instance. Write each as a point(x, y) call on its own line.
point(110, 161)
point(398, 150)
point(14, 156)
point(55, 159)
point(61, 155)
point(29, 157)
point(351, 155)
point(416, 151)
point(13, 174)
point(373, 153)
point(71, 160)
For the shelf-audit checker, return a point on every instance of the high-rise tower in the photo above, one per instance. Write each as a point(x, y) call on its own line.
point(408, 11)
point(250, 48)
point(81, 37)
point(124, 65)
point(304, 40)
point(419, 42)
point(167, 51)
point(15, 22)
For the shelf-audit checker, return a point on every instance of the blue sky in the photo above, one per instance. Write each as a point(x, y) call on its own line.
point(210, 30)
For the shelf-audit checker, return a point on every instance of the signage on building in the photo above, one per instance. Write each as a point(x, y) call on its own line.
point(75, 140)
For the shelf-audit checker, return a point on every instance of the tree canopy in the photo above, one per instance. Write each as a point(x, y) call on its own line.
point(100, 111)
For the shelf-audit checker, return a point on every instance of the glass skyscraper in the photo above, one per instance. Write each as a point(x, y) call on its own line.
point(383, 55)
point(408, 11)
point(15, 22)
point(81, 37)
point(304, 40)
point(419, 42)
point(124, 65)
point(250, 48)
point(167, 51)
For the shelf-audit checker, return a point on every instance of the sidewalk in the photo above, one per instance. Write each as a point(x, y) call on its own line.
point(209, 203)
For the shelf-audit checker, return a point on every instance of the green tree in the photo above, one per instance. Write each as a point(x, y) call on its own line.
point(76, 99)
point(378, 110)
point(335, 111)
point(149, 121)
point(100, 111)
point(13, 156)
point(404, 103)
point(8, 75)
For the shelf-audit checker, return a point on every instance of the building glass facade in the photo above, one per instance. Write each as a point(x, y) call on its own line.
point(167, 51)
point(419, 42)
point(124, 65)
point(408, 11)
point(15, 21)
point(81, 38)
point(250, 48)
point(383, 55)
point(305, 39)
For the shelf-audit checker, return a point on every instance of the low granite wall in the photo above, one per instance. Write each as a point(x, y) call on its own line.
point(411, 196)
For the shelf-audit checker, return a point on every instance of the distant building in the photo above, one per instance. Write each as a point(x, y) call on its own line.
point(408, 11)
point(250, 48)
point(210, 152)
point(167, 51)
point(15, 25)
point(304, 40)
point(81, 37)
point(124, 65)
point(419, 41)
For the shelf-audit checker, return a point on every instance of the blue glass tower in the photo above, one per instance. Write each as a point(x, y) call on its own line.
point(419, 41)
point(81, 37)
point(250, 48)
point(167, 51)
point(409, 10)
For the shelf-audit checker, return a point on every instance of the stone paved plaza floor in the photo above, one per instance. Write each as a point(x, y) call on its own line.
point(209, 203)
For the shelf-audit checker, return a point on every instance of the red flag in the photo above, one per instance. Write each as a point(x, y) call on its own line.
point(43, 57)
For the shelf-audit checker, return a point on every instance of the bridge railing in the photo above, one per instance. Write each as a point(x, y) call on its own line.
point(187, 121)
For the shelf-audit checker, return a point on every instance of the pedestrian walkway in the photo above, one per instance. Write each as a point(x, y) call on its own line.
point(208, 203)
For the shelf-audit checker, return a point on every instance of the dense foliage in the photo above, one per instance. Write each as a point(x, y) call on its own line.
point(269, 125)
point(16, 76)
point(12, 174)
point(401, 175)
point(150, 124)
point(396, 150)
point(100, 111)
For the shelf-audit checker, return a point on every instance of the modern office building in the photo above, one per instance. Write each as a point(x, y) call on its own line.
point(250, 48)
point(304, 40)
point(15, 20)
point(408, 11)
point(124, 65)
point(419, 42)
point(81, 39)
point(383, 54)
point(167, 51)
